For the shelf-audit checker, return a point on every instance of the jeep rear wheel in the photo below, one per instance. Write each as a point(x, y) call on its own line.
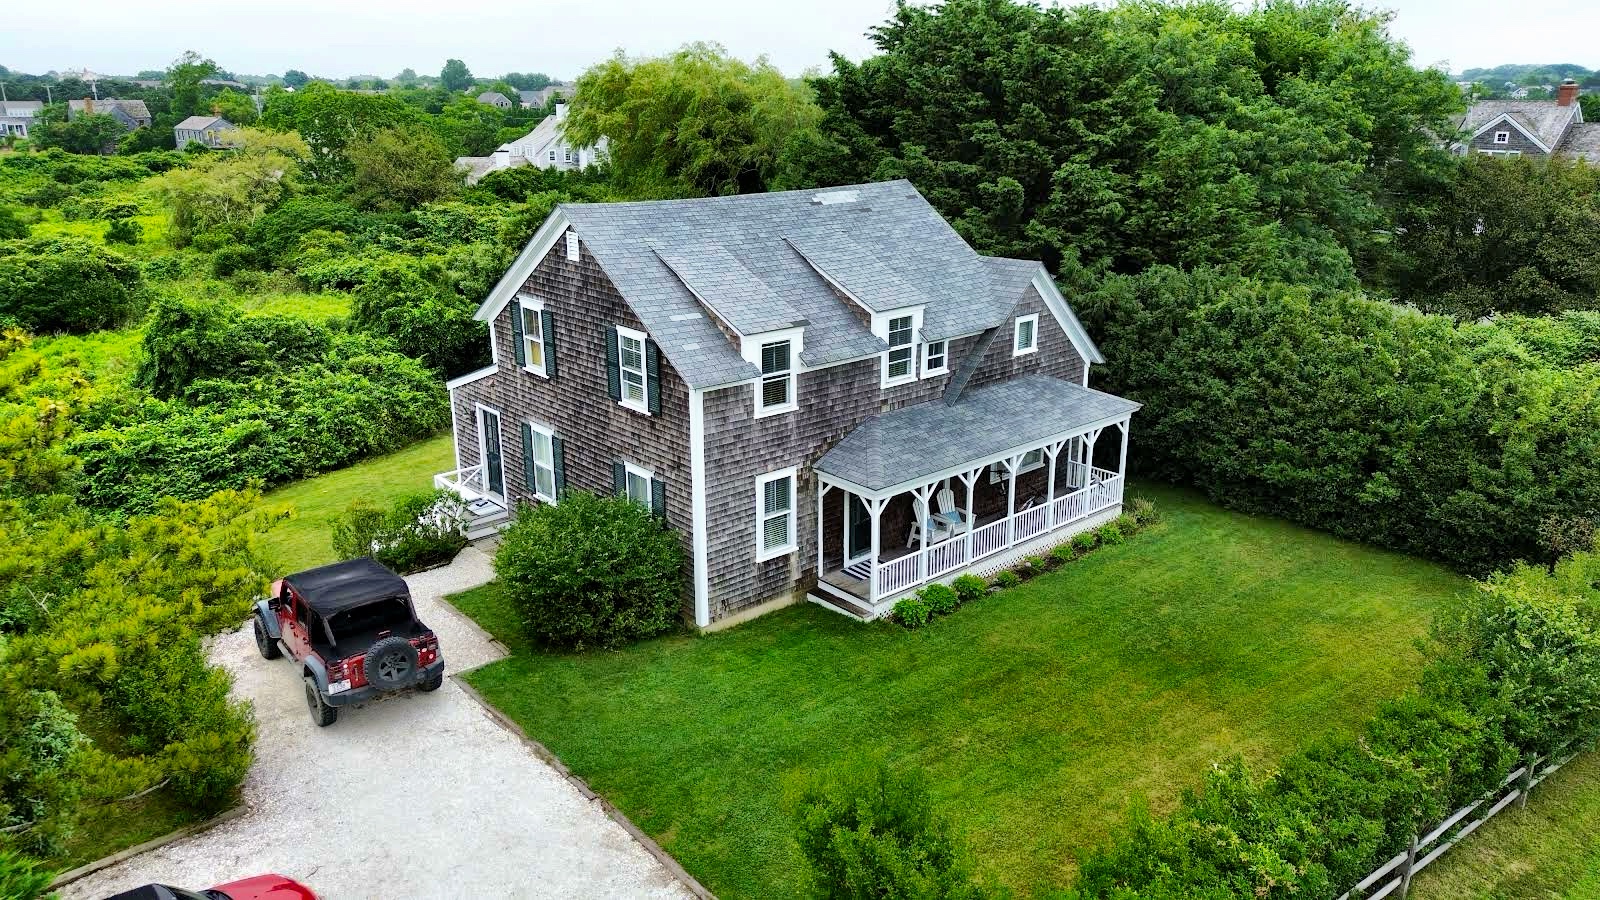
point(264, 641)
point(321, 713)
point(391, 664)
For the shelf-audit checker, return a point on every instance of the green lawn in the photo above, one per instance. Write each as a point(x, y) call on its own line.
point(1038, 714)
point(1548, 850)
point(304, 540)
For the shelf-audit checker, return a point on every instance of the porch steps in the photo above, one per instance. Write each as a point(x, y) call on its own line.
point(839, 605)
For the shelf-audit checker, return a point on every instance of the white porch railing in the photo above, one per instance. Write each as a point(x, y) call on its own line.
point(1103, 491)
point(467, 483)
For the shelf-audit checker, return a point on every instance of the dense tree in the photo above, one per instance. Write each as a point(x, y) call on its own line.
point(96, 133)
point(527, 81)
point(407, 77)
point(237, 108)
point(1266, 141)
point(1504, 235)
point(227, 192)
point(697, 117)
point(184, 77)
point(455, 76)
point(400, 169)
point(66, 284)
point(1591, 107)
point(296, 79)
point(331, 120)
point(469, 128)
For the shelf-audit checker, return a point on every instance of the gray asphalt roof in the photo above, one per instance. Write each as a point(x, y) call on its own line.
point(729, 288)
point(914, 442)
point(890, 235)
point(1544, 118)
point(1583, 142)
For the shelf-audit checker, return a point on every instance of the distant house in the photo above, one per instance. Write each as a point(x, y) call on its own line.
point(495, 99)
point(1540, 128)
point(210, 131)
point(17, 115)
point(543, 147)
point(537, 99)
point(130, 114)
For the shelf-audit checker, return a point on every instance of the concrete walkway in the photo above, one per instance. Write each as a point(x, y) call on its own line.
point(419, 796)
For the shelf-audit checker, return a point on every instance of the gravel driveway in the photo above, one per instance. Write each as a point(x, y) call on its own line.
point(419, 796)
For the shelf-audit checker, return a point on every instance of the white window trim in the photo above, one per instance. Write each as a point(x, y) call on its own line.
point(880, 327)
point(643, 405)
point(793, 474)
point(1016, 331)
point(629, 471)
point(750, 348)
point(483, 448)
point(549, 435)
point(1502, 137)
point(535, 306)
point(944, 366)
point(573, 252)
point(998, 473)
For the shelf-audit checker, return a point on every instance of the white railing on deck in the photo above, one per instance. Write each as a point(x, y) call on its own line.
point(1031, 523)
point(468, 482)
point(1073, 506)
point(991, 538)
point(947, 555)
point(1105, 489)
point(897, 575)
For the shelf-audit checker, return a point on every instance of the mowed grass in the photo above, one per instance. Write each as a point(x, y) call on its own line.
point(305, 539)
point(1547, 850)
point(1038, 714)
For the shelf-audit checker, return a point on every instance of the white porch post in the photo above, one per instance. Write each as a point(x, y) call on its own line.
point(1051, 450)
point(1122, 458)
point(1012, 465)
point(970, 480)
point(822, 491)
point(874, 508)
point(923, 494)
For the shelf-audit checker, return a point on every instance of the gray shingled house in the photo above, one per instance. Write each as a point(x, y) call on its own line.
point(827, 393)
point(1538, 128)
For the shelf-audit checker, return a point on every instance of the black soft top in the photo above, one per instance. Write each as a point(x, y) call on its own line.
point(345, 585)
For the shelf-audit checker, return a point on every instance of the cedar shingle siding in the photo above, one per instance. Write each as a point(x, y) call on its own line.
point(1518, 141)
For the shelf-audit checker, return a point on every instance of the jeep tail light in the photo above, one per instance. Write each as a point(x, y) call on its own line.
point(427, 649)
point(339, 675)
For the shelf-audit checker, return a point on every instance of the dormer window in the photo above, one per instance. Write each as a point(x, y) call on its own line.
point(1502, 137)
point(901, 361)
point(935, 358)
point(1025, 335)
point(776, 393)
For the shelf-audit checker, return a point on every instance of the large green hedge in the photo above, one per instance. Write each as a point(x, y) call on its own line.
point(66, 284)
point(1350, 415)
point(1516, 672)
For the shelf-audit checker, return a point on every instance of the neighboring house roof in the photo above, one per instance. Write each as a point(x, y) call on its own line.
point(925, 439)
point(1543, 121)
point(1583, 142)
point(543, 95)
point(494, 98)
point(201, 123)
point(527, 97)
point(21, 109)
point(133, 108)
point(882, 243)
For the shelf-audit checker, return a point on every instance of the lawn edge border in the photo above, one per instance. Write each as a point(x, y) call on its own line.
point(106, 862)
point(672, 866)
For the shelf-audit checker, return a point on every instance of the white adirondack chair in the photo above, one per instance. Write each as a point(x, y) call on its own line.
point(938, 529)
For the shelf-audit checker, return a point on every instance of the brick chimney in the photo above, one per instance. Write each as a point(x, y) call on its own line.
point(1567, 94)
point(88, 106)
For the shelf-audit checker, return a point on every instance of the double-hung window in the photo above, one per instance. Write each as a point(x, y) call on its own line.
point(935, 358)
point(902, 356)
point(637, 484)
point(543, 464)
point(777, 378)
point(775, 520)
point(1025, 336)
point(630, 361)
point(532, 336)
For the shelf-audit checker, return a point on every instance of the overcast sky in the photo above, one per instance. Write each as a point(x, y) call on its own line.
point(339, 38)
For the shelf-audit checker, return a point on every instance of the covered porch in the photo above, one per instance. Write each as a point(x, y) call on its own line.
point(487, 511)
point(926, 493)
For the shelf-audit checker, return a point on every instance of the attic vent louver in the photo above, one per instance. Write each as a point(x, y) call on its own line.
point(830, 198)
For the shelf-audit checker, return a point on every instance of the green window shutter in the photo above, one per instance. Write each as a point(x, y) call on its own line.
point(558, 449)
point(619, 478)
point(527, 458)
point(518, 349)
point(658, 498)
point(549, 322)
point(652, 377)
point(613, 364)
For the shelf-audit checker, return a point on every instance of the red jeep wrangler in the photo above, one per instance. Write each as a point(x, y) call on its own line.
point(351, 627)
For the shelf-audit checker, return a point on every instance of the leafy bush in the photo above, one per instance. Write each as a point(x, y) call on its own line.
point(1349, 415)
point(970, 587)
point(1143, 511)
point(1516, 672)
point(592, 571)
point(233, 258)
point(11, 226)
point(874, 834)
point(189, 340)
point(317, 413)
point(278, 233)
point(22, 878)
point(1084, 541)
point(417, 531)
point(912, 611)
point(1110, 534)
point(66, 284)
point(940, 598)
point(1064, 552)
point(124, 231)
point(1007, 579)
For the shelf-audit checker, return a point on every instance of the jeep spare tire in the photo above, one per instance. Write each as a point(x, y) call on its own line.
point(391, 664)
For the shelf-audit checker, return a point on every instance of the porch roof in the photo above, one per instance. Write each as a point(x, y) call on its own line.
point(912, 444)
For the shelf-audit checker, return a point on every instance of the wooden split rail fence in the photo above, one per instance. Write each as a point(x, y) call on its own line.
point(1393, 878)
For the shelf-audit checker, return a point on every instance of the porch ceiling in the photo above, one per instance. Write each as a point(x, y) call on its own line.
point(920, 441)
